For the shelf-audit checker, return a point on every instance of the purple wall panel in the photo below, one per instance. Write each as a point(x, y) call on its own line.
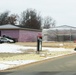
point(28, 36)
point(11, 33)
point(21, 35)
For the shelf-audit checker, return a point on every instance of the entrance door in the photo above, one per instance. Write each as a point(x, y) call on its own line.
point(0, 33)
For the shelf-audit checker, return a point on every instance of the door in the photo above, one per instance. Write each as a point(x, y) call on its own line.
point(0, 33)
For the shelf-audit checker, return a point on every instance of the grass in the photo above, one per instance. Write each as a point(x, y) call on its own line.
point(49, 44)
point(22, 56)
point(2, 55)
point(33, 55)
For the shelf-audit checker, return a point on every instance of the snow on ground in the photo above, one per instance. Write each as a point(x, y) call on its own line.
point(10, 64)
point(12, 48)
point(4, 66)
point(53, 49)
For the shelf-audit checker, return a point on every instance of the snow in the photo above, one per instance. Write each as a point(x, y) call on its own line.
point(54, 49)
point(10, 64)
point(3, 66)
point(12, 48)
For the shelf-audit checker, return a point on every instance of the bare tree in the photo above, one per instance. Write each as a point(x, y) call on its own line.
point(48, 22)
point(53, 23)
point(30, 19)
point(12, 19)
point(3, 18)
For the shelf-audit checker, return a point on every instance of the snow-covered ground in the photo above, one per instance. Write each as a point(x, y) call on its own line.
point(12, 48)
point(10, 64)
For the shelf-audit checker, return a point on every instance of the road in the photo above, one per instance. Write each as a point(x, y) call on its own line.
point(65, 65)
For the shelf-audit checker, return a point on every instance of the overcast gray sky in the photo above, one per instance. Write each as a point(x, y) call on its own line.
point(63, 11)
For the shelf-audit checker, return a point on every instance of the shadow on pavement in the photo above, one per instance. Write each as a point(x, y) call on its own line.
point(47, 73)
point(55, 73)
point(5, 73)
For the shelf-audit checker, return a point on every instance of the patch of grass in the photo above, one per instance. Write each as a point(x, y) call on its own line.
point(16, 56)
point(49, 44)
point(9, 54)
point(32, 56)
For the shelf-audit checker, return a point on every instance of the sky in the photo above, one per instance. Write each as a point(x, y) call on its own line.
point(63, 11)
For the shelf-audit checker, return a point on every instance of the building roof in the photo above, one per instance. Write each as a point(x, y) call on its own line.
point(63, 27)
point(8, 26)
